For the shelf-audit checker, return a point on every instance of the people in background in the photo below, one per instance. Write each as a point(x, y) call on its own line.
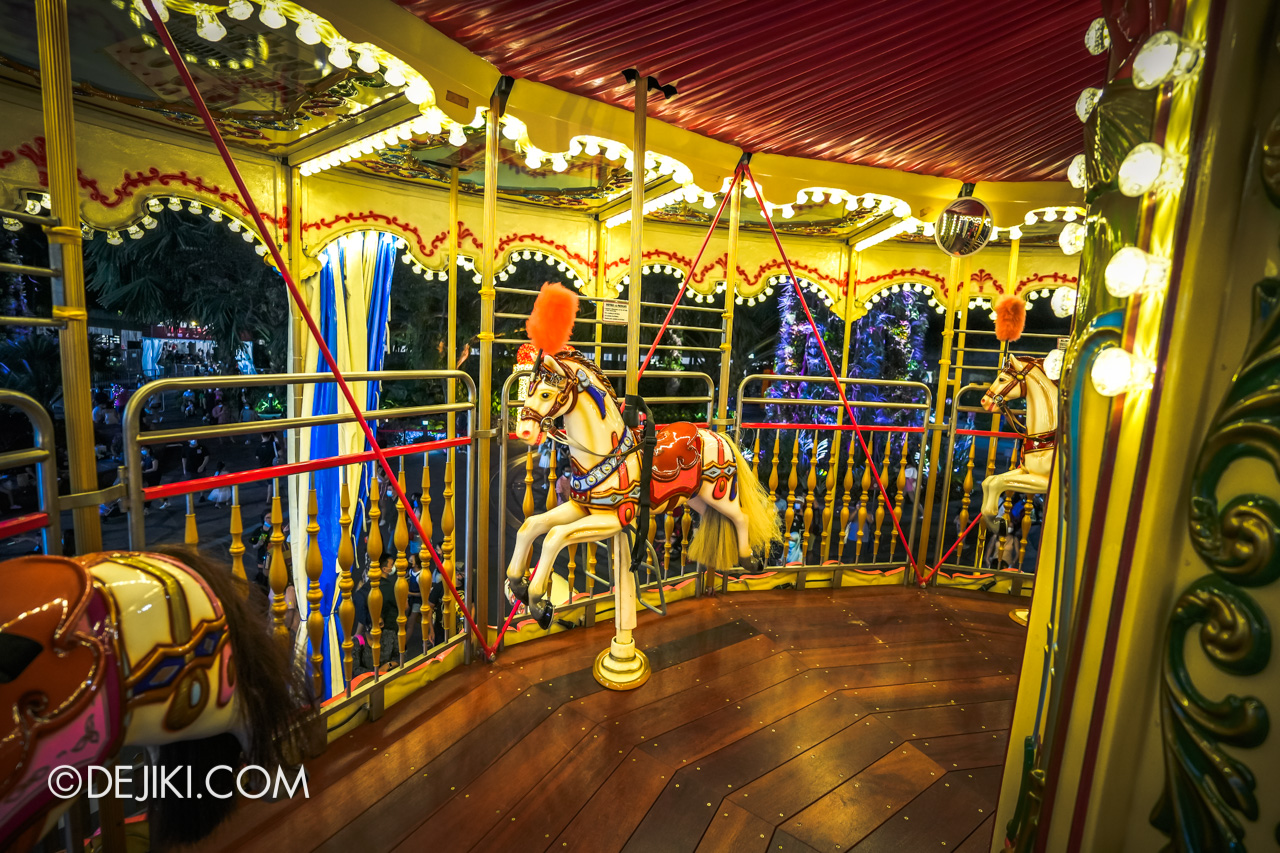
point(222, 494)
point(195, 459)
point(151, 475)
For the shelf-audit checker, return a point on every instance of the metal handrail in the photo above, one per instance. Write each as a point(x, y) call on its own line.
point(44, 456)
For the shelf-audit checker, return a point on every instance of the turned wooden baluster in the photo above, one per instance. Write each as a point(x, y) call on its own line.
point(880, 500)
point(425, 570)
point(668, 542)
point(346, 559)
point(572, 570)
point(652, 537)
point(773, 474)
point(811, 486)
point(789, 516)
point(315, 614)
point(1026, 532)
point(191, 534)
point(847, 503)
point(864, 494)
point(967, 495)
point(901, 484)
point(686, 524)
point(373, 548)
point(829, 499)
point(991, 470)
point(448, 548)
point(401, 538)
point(755, 456)
point(278, 574)
point(1006, 514)
point(237, 534)
point(552, 498)
point(529, 505)
point(591, 569)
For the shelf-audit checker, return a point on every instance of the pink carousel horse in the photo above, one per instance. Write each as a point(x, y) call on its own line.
point(691, 466)
point(131, 649)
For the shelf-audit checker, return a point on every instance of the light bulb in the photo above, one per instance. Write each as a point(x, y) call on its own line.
point(339, 56)
point(261, 249)
point(239, 10)
point(1029, 219)
point(1053, 365)
point(135, 233)
point(1076, 172)
point(368, 63)
point(1150, 167)
point(591, 148)
point(709, 201)
point(1165, 56)
point(1096, 39)
point(558, 163)
point(1131, 270)
point(149, 222)
point(457, 136)
point(208, 27)
point(175, 204)
point(154, 205)
point(575, 146)
point(534, 159)
point(1069, 215)
point(930, 228)
point(161, 9)
point(308, 33)
point(271, 15)
point(1015, 233)
point(1063, 302)
point(612, 152)
point(247, 236)
point(788, 211)
point(1051, 215)
point(1115, 370)
point(1072, 238)
point(234, 225)
point(113, 237)
point(802, 197)
point(418, 91)
point(1086, 102)
point(215, 214)
point(902, 209)
point(393, 75)
point(511, 129)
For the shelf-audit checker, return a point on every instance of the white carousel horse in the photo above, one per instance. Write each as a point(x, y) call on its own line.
point(1023, 378)
point(690, 465)
point(138, 649)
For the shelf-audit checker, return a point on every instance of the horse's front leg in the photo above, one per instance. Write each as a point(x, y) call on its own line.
point(533, 527)
point(592, 528)
point(993, 488)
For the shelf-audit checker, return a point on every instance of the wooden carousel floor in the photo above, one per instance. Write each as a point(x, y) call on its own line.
point(868, 719)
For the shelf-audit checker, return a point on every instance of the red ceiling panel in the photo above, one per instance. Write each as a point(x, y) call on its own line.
point(977, 90)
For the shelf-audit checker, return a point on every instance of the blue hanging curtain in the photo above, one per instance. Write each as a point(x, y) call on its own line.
point(324, 439)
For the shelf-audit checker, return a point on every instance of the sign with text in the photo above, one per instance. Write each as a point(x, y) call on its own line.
point(614, 311)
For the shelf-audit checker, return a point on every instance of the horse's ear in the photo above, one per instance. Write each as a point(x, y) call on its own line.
point(550, 365)
point(1014, 362)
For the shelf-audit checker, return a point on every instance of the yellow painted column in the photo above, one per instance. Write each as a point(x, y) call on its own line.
point(940, 410)
point(730, 291)
point(65, 239)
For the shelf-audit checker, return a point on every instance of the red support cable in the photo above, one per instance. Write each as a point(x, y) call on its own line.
point(857, 430)
point(943, 558)
point(840, 427)
point(176, 57)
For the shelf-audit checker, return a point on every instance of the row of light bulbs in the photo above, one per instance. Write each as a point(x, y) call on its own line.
point(1165, 58)
point(432, 122)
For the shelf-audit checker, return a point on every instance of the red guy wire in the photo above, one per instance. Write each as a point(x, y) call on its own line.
point(953, 547)
point(216, 135)
point(857, 430)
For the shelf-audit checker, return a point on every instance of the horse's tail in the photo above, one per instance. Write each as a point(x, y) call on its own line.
point(715, 543)
point(278, 722)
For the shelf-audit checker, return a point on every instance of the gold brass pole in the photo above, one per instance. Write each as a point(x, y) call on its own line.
point(602, 269)
point(65, 240)
point(488, 240)
point(940, 406)
point(730, 291)
point(451, 350)
point(637, 233)
point(300, 335)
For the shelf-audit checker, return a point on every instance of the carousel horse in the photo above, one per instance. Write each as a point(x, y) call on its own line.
point(691, 466)
point(160, 650)
point(1022, 378)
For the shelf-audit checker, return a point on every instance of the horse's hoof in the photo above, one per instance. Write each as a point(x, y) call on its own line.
point(518, 591)
point(542, 611)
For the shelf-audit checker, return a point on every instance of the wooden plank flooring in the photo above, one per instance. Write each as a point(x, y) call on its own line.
point(866, 719)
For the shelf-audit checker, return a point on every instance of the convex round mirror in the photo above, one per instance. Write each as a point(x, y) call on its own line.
point(964, 227)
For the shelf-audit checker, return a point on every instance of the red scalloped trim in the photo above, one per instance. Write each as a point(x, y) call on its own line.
point(1041, 278)
point(984, 278)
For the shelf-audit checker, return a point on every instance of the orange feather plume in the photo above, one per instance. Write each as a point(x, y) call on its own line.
point(550, 324)
point(1011, 317)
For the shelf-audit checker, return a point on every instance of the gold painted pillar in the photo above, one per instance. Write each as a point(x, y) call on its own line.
point(64, 196)
point(451, 344)
point(637, 235)
point(484, 447)
point(602, 268)
point(940, 412)
point(730, 291)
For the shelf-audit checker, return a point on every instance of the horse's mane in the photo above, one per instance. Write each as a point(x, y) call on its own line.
point(572, 356)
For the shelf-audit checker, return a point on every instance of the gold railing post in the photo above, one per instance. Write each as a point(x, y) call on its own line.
point(373, 550)
point(315, 597)
point(448, 548)
point(730, 291)
point(686, 524)
point(346, 558)
point(864, 492)
point(425, 569)
point(191, 534)
point(237, 534)
point(881, 500)
point(402, 571)
point(940, 410)
point(65, 241)
point(848, 498)
point(773, 473)
point(668, 542)
point(451, 346)
point(279, 573)
point(789, 516)
point(810, 486)
point(829, 498)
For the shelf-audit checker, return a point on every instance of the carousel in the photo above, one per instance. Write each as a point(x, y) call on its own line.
point(848, 426)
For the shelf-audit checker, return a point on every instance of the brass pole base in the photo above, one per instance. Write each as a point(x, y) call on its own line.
point(1020, 615)
point(617, 673)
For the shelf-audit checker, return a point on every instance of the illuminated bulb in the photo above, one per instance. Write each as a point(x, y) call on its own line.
point(697, 297)
point(1063, 302)
point(416, 267)
point(1015, 233)
point(394, 75)
point(1076, 173)
point(149, 222)
point(1131, 270)
point(208, 27)
point(1149, 167)
point(161, 9)
point(748, 190)
point(418, 91)
point(1069, 215)
point(591, 148)
point(113, 237)
point(339, 56)
point(135, 233)
point(403, 130)
point(1029, 219)
point(1051, 215)
point(558, 163)
point(902, 209)
point(788, 211)
point(307, 32)
point(154, 205)
point(368, 63)
point(802, 197)
point(261, 249)
point(239, 10)
point(175, 204)
point(247, 236)
point(457, 136)
point(534, 159)
point(941, 310)
point(234, 225)
point(271, 14)
point(995, 233)
point(1115, 370)
point(1165, 56)
point(85, 231)
point(929, 229)
point(1053, 365)
point(1072, 238)
point(511, 129)
point(575, 147)
point(1086, 102)
point(1096, 39)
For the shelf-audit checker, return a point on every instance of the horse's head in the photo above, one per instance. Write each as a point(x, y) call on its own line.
point(1010, 383)
point(550, 396)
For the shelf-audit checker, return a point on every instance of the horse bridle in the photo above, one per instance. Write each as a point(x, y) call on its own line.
point(1018, 379)
point(566, 398)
